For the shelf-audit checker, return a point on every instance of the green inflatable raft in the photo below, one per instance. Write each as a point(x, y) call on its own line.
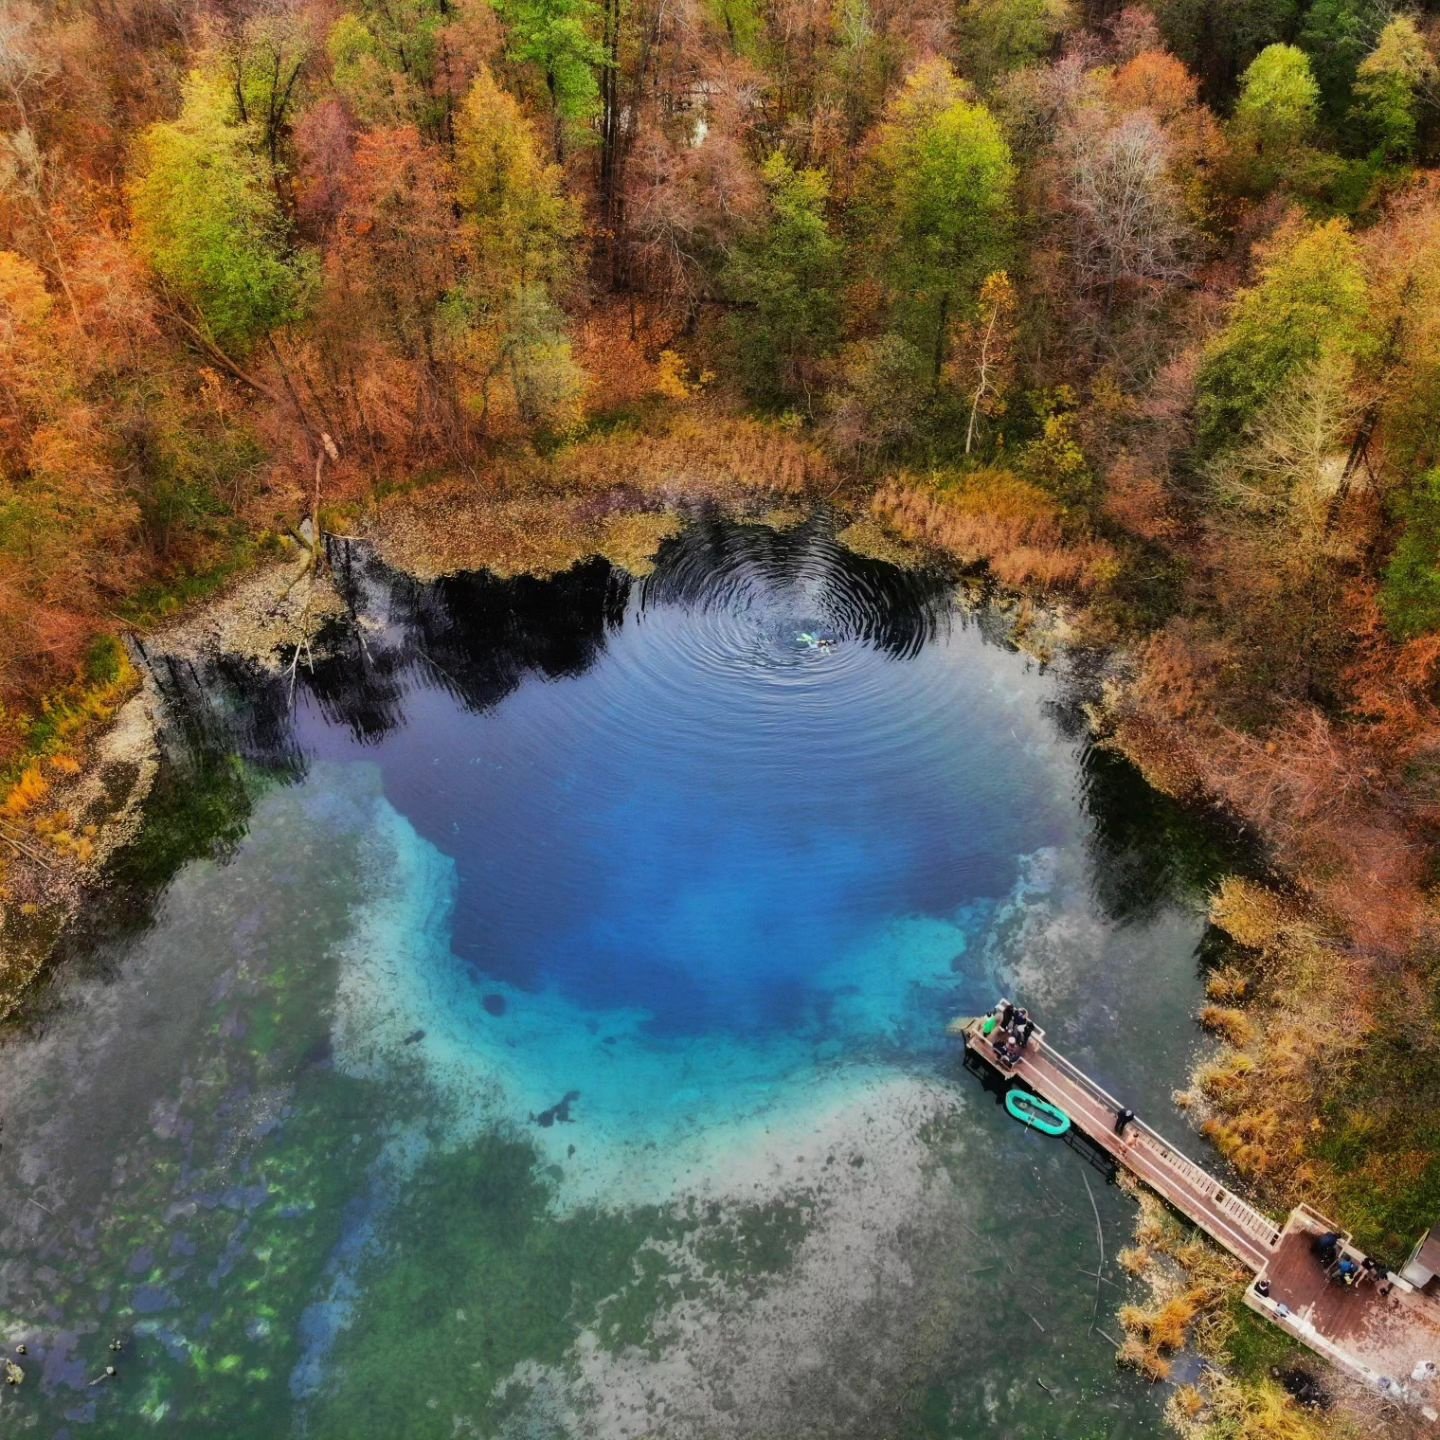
point(1037, 1114)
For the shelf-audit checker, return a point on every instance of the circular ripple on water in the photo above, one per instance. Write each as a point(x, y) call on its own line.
point(790, 627)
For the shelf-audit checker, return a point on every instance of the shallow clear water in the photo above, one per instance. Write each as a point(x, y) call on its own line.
point(539, 1031)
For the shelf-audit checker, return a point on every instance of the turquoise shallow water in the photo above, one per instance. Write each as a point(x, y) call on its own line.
point(545, 1034)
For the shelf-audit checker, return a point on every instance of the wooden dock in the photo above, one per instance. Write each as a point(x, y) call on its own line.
point(1383, 1341)
point(1250, 1236)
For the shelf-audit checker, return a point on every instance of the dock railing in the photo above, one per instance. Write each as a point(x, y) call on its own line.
point(1237, 1210)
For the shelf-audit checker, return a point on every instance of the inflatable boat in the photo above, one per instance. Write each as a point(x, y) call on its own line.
point(1037, 1114)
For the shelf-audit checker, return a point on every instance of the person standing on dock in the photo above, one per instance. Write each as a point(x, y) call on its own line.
point(1123, 1119)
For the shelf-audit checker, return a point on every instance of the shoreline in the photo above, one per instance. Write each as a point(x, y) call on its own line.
point(104, 800)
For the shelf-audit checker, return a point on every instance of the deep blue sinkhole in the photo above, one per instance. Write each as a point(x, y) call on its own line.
point(662, 888)
point(692, 794)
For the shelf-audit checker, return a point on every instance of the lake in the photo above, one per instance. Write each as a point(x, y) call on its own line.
point(533, 1026)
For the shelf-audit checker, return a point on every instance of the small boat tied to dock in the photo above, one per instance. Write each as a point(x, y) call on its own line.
point(1037, 1114)
point(1380, 1331)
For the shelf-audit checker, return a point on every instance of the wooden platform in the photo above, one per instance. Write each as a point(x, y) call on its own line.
point(1231, 1221)
point(1377, 1339)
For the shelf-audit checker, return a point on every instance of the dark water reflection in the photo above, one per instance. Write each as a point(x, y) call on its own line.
point(477, 638)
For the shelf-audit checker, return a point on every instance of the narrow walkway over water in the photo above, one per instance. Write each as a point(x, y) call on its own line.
point(1247, 1234)
point(1384, 1341)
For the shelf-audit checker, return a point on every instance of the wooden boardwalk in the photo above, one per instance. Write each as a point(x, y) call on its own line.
point(1377, 1339)
point(1230, 1221)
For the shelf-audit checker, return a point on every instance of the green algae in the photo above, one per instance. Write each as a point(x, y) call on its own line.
point(196, 810)
point(757, 1244)
point(226, 1204)
point(218, 1355)
point(475, 1278)
point(478, 1275)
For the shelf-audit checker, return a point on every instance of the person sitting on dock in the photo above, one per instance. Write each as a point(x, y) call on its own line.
point(1347, 1272)
point(1006, 1050)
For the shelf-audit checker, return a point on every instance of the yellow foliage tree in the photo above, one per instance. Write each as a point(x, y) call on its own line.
point(523, 222)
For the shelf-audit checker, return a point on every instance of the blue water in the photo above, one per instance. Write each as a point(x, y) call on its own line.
point(582, 948)
point(709, 816)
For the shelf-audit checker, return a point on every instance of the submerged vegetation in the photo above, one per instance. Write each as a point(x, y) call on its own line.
point(454, 1315)
point(1138, 306)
